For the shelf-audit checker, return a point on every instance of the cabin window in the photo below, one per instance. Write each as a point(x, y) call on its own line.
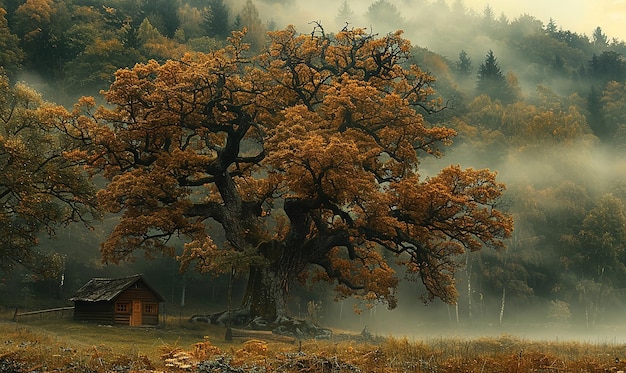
point(122, 307)
point(150, 308)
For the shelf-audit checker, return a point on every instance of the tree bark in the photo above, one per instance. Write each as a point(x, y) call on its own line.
point(267, 284)
point(264, 295)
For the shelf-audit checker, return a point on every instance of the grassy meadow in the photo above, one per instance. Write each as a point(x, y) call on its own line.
point(62, 345)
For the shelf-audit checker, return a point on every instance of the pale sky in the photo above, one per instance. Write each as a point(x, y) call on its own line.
point(581, 16)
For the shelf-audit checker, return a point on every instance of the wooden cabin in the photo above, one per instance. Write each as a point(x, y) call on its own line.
point(117, 301)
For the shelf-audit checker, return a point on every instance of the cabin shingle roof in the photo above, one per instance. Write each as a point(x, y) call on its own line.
point(107, 289)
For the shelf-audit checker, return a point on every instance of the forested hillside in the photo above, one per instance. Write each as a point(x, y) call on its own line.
point(542, 107)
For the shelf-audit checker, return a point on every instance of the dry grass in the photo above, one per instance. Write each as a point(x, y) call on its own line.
point(67, 346)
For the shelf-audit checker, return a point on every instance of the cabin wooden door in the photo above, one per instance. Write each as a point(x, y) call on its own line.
point(135, 317)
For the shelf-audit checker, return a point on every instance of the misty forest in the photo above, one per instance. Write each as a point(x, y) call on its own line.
point(403, 164)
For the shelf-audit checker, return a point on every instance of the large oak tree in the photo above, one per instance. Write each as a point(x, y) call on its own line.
point(306, 155)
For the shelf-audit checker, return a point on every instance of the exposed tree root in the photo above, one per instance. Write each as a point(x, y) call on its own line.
point(286, 326)
point(237, 317)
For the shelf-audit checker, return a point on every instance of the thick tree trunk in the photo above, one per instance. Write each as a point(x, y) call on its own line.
point(264, 295)
point(263, 305)
point(267, 285)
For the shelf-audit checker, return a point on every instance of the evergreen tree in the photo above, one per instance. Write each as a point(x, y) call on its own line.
point(558, 65)
point(216, 21)
point(458, 8)
point(238, 22)
point(345, 14)
point(596, 117)
point(147, 32)
point(488, 13)
point(190, 21)
point(488, 19)
point(383, 13)
point(164, 15)
point(491, 80)
point(608, 66)
point(600, 40)
point(249, 18)
point(128, 35)
point(464, 64)
point(551, 28)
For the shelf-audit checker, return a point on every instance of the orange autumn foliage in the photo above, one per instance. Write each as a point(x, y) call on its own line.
point(306, 155)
